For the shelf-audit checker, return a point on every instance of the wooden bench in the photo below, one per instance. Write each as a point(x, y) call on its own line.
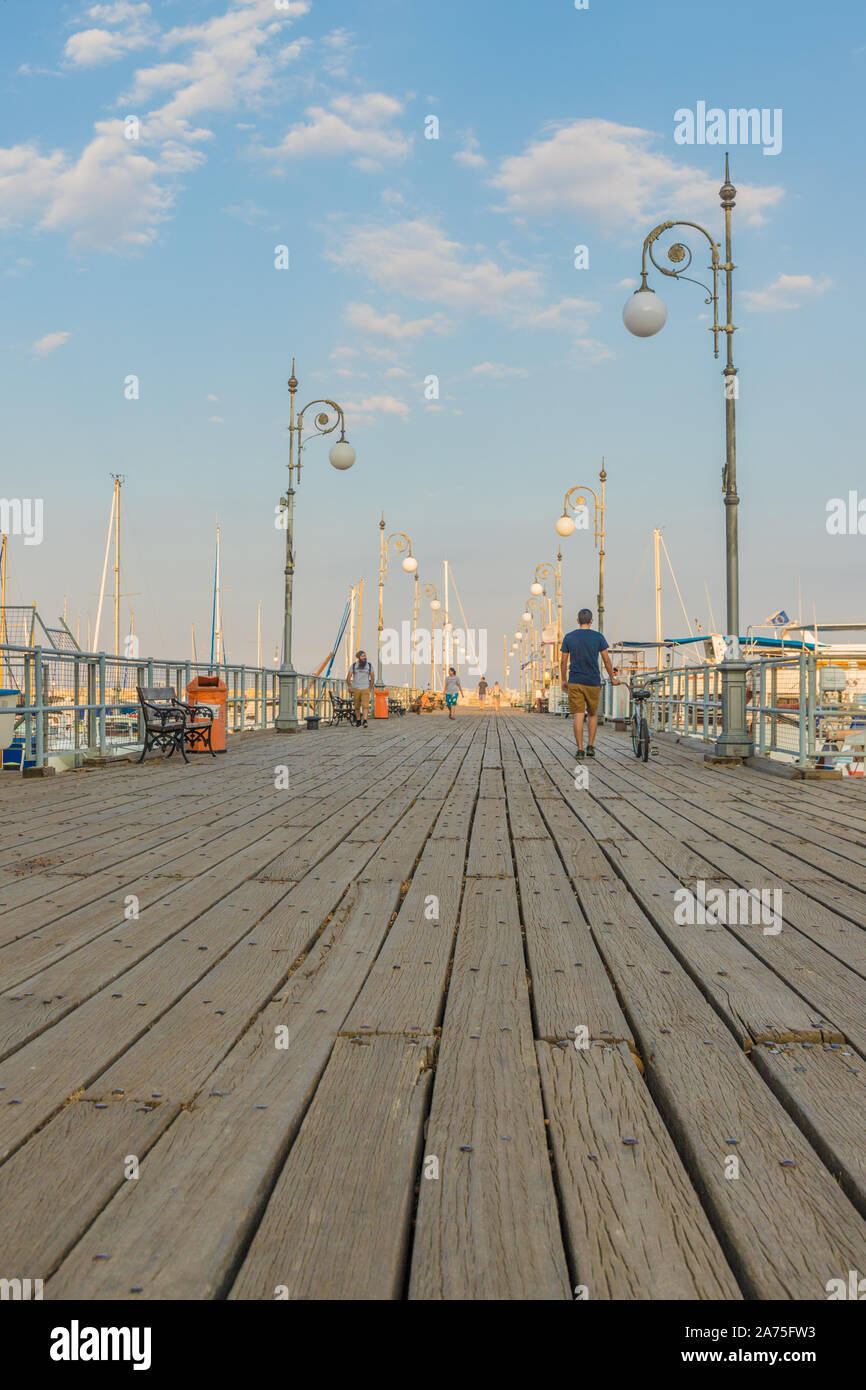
point(170, 723)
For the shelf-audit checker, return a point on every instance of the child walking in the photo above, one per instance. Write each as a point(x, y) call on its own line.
point(452, 688)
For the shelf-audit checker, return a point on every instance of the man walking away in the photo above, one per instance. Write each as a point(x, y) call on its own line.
point(496, 696)
point(361, 683)
point(482, 691)
point(579, 663)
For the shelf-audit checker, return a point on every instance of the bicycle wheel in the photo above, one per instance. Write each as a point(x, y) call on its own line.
point(644, 740)
point(635, 734)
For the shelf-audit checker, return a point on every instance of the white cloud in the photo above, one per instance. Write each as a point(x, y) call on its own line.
point(90, 47)
point(564, 313)
point(366, 409)
point(396, 371)
point(216, 419)
point(359, 125)
point(50, 343)
point(497, 369)
point(786, 292)
point(365, 318)
point(27, 180)
point(608, 173)
point(337, 48)
point(470, 156)
point(211, 398)
point(415, 258)
point(588, 351)
point(111, 197)
point(115, 193)
point(252, 214)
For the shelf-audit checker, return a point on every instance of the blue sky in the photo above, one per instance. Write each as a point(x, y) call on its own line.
point(304, 126)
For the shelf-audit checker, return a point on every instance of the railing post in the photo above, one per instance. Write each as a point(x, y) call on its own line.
point(101, 744)
point(759, 708)
point(38, 703)
point(802, 702)
point(812, 667)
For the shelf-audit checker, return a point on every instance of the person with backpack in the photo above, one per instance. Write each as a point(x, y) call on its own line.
point(496, 696)
point(452, 688)
point(360, 679)
point(579, 674)
point(482, 692)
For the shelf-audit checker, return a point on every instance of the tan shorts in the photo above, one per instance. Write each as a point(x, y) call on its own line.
point(583, 699)
point(361, 701)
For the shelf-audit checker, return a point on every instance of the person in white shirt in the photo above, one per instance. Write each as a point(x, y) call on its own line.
point(452, 688)
point(360, 678)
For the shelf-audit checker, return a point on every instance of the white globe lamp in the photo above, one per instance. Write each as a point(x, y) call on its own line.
point(644, 313)
point(342, 455)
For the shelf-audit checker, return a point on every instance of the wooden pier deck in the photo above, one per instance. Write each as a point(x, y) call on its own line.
point(319, 1041)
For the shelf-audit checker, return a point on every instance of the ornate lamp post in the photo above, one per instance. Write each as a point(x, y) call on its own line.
point(521, 648)
point(341, 457)
point(547, 572)
point(416, 613)
point(431, 592)
point(410, 564)
point(644, 315)
point(575, 500)
point(535, 608)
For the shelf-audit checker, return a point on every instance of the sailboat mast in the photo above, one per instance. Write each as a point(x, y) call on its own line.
point(219, 607)
point(657, 555)
point(3, 596)
point(446, 633)
point(117, 483)
point(104, 573)
point(213, 618)
point(350, 633)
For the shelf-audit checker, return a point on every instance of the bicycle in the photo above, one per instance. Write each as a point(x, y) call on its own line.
point(640, 735)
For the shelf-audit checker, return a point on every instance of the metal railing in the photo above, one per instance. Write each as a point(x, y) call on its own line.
point(73, 702)
point(786, 716)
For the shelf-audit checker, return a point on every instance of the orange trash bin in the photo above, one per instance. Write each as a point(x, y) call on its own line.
point(380, 703)
point(213, 691)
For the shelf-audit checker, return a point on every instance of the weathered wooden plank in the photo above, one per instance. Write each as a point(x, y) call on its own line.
point(489, 844)
point(489, 1227)
point(406, 987)
point(204, 1185)
point(52, 1189)
point(824, 1089)
point(788, 1226)
point(337, 1223)
point(570, 986)
point(491, 783)
point(633, 1221)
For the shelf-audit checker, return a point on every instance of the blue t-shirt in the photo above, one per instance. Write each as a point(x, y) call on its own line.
point(584, 646)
